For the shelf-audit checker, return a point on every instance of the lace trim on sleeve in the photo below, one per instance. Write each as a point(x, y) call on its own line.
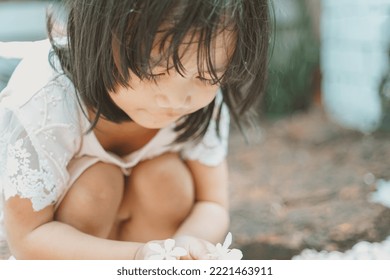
point(27, 177)
point(24, 171)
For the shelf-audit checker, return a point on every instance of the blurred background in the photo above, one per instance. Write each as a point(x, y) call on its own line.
point(316, 173)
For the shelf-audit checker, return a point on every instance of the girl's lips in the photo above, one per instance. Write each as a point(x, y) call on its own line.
point(171, 113)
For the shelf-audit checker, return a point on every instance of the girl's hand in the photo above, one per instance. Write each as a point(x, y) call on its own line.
point(188, 248)
point(160, 250)
point(197, 249)
point(182, 247)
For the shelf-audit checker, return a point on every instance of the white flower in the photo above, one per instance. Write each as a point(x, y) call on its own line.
point(222, 252)
point(169, 252)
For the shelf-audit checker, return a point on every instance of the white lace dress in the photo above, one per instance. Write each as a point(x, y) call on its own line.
point(43, 147)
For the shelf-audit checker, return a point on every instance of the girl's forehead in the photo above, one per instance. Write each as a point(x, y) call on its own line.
point(191, 50)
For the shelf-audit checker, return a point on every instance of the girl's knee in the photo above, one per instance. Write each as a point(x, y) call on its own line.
point(92, 202)
point(164, 187)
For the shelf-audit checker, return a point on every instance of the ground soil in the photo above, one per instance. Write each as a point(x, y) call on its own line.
point(304, 182)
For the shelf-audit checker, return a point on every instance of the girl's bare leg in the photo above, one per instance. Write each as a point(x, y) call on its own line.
point(92, 202)
point(159, 195)
point(149, 204)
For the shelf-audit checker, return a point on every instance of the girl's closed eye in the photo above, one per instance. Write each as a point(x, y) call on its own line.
point(157, 76)
point(209, 82)
point(206, 81)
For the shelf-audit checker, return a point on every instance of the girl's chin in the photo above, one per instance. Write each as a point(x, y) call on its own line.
point(155, 123)
point(151, 121)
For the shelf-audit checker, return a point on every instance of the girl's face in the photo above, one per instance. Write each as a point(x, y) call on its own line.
point(157, 104)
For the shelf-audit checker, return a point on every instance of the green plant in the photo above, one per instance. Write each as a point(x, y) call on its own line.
point(294, 57)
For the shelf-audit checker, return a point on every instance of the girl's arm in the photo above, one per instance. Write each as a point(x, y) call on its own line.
point(34, 235)
point(209, 219)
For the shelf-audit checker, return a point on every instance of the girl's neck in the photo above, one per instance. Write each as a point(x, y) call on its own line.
point(123, 138)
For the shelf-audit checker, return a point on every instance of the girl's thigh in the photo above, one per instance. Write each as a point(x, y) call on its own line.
point(92, 202)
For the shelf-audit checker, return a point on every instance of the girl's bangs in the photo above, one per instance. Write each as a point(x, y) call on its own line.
point(184, 26)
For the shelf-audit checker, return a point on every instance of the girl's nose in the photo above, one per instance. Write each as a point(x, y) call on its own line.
point(173, 101)
point(175, 93)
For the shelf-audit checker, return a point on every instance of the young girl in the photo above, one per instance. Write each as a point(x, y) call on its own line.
point(115, 135)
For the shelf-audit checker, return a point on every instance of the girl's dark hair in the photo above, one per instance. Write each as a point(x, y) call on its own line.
point(92, 25)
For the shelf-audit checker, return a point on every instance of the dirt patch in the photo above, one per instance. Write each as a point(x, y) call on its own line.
point(305, 183)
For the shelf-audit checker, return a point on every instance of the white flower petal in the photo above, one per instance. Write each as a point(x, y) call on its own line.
point(156, 247)
point(167, 257)
point(234, 254)
point(220, 250)
point(211, 248)
point(169, 244)
point(179, 252)
point(228, 240)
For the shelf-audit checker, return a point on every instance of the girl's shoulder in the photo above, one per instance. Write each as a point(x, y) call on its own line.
point(213, 147)
point(32, 76)
point(39, 93)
